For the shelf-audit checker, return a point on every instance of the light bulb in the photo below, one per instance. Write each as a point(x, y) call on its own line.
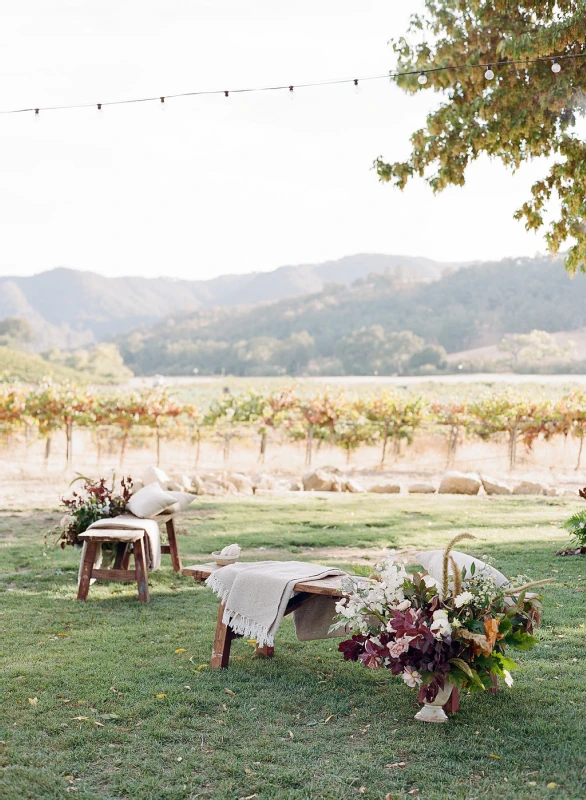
point(489, 74)
point(99, 110)
point(556, 66)
point(37, 115)
point(291, 93)
point(162, 104)
point(422, 79)
point(356, 86)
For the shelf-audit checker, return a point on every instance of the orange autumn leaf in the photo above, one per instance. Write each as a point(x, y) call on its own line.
point(491, 626)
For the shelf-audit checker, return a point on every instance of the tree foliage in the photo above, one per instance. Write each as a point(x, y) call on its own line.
point(525, 112)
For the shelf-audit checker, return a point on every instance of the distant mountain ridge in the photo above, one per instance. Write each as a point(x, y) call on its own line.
point(472, 307)
point(71, 308)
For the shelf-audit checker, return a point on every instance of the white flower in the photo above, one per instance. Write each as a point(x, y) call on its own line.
point(404, 605)
point(463, 599)
point(440, 625)
point(231, 551)
point(508, 678)
point(411, 677)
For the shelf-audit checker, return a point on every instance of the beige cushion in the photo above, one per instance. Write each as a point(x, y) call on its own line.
point(150, 501)
point(433, 561)
point(183, 499)
point(154, 475)
point(111, 535)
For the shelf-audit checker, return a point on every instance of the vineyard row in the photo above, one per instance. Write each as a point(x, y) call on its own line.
point(387, 419)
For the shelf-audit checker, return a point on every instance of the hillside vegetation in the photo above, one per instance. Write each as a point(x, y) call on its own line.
point(69, 308)
point(375, 325)
point(16, 365)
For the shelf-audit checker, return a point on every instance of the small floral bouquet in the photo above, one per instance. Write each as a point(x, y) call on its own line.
point(96, 500)
point(439, 637)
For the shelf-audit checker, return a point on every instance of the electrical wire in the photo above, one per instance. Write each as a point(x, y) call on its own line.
point(290, 87)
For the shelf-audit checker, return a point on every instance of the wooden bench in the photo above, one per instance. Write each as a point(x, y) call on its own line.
point(332, 587)
point(119, 571)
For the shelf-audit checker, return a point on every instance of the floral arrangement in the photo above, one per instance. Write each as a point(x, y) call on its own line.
point(96, 500)
point(576, 526)
point(438, 636)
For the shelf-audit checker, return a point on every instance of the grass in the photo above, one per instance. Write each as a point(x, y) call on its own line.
point(118, 713)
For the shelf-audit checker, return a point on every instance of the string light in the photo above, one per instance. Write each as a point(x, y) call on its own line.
point(421, 74)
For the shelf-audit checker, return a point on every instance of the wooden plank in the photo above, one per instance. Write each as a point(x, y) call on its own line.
point(86, 570)
point(111, 536)
point(114, 574)
point(332, 586)
point(141, 571)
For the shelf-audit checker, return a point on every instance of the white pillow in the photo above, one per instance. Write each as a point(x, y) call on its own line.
point(154, 475)
point(183, 499)
point(149, 501)
point(433, 561)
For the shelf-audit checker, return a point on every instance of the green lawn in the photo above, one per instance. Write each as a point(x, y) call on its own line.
point(304, 724)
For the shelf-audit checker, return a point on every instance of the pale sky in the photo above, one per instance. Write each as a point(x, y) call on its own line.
point(215, 185)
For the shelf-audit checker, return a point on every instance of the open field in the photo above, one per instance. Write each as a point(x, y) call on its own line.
point(304, 725)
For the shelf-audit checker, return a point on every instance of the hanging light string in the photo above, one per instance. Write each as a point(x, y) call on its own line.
point(421, 73)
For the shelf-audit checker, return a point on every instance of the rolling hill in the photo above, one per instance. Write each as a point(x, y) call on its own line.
point(469, 308)
point(70, 308)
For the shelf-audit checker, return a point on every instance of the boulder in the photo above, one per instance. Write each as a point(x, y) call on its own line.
point(213, 488)
point(459, 483)
point(242, 483)
point(385, 488)
point(421, 488)
point(353, 487)
point(553, 491)
point(264, 481)
point(337, 484)
point(186, 483)
point(318, 481)
point(530, 487)
point(295, 486)
point(494, 486)
point(197, 485)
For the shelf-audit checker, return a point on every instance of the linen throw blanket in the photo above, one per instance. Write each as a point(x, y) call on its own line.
point(255, 596)
point(128, 522)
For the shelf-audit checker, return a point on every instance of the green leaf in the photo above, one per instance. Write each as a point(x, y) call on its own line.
point(521, 641)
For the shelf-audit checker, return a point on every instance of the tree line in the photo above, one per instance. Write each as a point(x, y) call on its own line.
point(389, 420)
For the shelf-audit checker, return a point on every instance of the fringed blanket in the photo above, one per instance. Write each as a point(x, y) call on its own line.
point(255, 596)
point(128, 522)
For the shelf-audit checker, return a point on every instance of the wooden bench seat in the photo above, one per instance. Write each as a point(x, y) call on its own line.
point(305, 590)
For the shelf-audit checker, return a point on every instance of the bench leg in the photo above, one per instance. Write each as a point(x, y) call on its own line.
point(172, 536)
point(264, 652)
point(141, 571)
point(121, 549)
point(222, 643)
point(86, 570)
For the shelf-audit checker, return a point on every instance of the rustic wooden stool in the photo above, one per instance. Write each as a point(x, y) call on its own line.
point(119, 571)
